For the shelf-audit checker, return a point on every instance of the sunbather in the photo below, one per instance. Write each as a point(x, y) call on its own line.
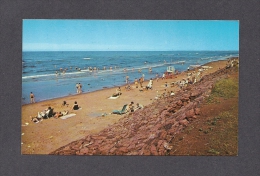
point(57, 115)
point(130, 107)
point(36, 119)
point(75, 106)
point(139, 106)
point(64, 103)
point(118, 91)
point(49, 112)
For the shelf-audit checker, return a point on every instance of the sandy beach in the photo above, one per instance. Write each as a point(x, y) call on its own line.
point(50, 134)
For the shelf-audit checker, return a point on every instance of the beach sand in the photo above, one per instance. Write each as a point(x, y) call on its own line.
point(50, 134)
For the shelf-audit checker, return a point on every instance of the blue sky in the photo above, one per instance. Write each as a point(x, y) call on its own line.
point(129, 35)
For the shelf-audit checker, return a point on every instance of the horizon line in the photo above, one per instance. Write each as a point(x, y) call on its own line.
point(113, 50)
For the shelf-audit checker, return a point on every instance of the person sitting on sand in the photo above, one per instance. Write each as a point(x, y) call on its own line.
point(172, 93)
point(139, 106)
point(75, 106)
point(130, 107)
point(150, 84)
point(141, 89)
point(128, 87)
point(64, 103)
point(46, 113)
point(42, 114)
point(118, 91)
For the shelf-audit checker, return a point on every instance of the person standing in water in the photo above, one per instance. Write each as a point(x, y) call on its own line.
point(80, 88)
point(77, 87)
point(32, 98)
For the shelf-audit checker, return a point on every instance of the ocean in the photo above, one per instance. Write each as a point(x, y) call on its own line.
point(55, 74)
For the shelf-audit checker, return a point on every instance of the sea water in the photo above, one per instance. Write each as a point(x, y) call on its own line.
point(44, 75)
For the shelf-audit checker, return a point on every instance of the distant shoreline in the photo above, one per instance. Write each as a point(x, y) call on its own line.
point(110, 88)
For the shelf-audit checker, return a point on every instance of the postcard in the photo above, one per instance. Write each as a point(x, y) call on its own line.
point(130, 87)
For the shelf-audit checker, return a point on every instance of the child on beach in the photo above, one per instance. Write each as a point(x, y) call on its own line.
point(136, 83)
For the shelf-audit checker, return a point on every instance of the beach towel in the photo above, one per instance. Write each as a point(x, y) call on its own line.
point(67, 116)
point(113, 97)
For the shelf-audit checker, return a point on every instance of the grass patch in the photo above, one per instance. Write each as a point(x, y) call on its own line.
point(225, 88)
point(225, 126)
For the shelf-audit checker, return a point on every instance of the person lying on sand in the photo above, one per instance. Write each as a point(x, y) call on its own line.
point(115, 95)
point(36, 119)
point(59, 114)
point(118, 92)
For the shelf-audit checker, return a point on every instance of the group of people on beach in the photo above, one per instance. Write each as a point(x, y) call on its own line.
point(49, 112)
point(131, 107)
point(46, 114)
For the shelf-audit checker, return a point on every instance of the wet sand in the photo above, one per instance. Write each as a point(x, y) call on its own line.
point(50, 134)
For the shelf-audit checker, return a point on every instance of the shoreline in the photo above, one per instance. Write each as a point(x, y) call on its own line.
point(114, 87)
point(50, 134)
